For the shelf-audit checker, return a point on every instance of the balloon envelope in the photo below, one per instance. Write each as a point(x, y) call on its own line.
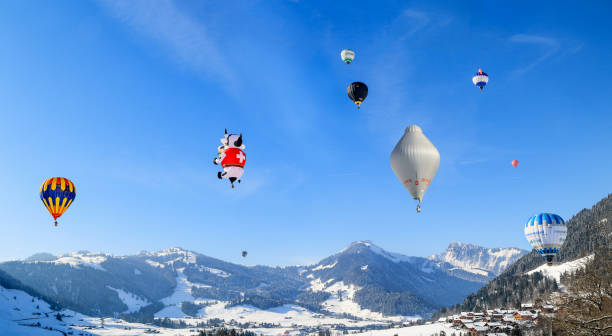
point(480, 79)
point(244, 253)
point(347, 56)
point(357, 92)
point(415, 161)
point(57, 194)
point(515, 163)
point(546, 232)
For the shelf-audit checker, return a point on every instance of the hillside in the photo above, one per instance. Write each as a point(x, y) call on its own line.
point(588, 231)
point(363, 281)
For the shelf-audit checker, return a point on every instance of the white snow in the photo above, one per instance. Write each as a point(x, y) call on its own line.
point(155, 263)
point(321, 267)
point(555, 271)
point(364, 267)
point(473, 258)
point(471, 270)
point(215, 271)
point(317, 285)
point(132, 301)
point(422, 330)
point(287, 317)
point(395, 257)
point(78, 259)
point(341, 300)
point(182, 293)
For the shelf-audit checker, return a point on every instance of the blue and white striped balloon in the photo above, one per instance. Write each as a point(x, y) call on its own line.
point(546, 232)
point(480, 79)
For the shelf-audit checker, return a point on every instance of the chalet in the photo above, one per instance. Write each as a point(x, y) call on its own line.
point(479, 330)
point(548, 309)
point(527, 306)
point(497, 316)
point(524, 315)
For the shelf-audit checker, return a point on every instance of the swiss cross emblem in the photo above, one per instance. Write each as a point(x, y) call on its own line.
point(240, 157)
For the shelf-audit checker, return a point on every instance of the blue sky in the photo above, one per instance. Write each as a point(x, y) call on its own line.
point(129, 100)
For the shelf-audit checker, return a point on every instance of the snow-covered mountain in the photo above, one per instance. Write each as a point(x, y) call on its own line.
point(361, 282)
point(371, 278)
point(480, 262)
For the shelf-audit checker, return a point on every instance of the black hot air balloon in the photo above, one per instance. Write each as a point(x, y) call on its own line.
point(358, 92)
point(244, 254)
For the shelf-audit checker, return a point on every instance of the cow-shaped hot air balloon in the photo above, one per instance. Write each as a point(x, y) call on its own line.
point(546, 232)
point(415, 161)
point(480, 79)
point(231, 157)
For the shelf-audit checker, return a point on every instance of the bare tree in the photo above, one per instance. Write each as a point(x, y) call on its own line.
point(586, 307)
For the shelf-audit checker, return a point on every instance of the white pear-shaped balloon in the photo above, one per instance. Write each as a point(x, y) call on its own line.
point(415, 161)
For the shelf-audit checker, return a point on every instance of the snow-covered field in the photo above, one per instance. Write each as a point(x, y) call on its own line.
point(18, 310)
point(134, 302)
point(555, 271)
point(422, 330)
point(182, 293)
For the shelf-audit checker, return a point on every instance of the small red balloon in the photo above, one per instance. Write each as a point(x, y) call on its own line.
point(515, 163)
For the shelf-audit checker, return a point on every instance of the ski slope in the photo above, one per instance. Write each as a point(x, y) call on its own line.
point(555, 271)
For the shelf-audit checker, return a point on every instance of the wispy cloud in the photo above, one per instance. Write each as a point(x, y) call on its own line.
point(550, 47)
point(186, 40)
point(417, 19)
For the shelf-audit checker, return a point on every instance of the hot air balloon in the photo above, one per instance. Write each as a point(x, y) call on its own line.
point(57, 194)
point(358, 92)
point(244, 254)
point(415, 161)
point(347, 56)
point(231, 157)
point(546, 232)
point(515, 163)
point(480, 79)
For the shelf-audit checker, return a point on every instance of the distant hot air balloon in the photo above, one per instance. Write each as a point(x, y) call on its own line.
point(357, 92)
point(480, 79)
point(57, 194)
point(244, 254)
point(347, 56)
point(515, 163)
point(546, 232)
point(415, 161)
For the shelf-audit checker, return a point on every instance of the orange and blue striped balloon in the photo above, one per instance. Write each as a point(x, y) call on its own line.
point(57, 193)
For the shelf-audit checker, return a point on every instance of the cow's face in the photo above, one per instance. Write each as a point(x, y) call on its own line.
point(234, 140)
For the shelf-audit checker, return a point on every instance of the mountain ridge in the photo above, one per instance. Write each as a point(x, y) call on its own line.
point(359, 281)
